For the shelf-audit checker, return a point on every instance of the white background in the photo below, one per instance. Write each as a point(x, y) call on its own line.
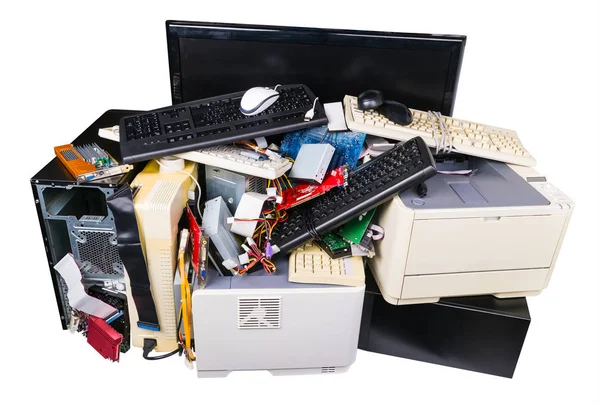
point(533, 68)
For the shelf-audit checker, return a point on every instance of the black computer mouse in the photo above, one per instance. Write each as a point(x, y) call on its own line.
point(370, 99)
point(396, 112)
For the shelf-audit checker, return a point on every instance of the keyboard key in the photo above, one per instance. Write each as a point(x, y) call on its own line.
point(409, 160)
point(230, 157)
point(344, 271)
point(215, 121)
point(479, 140)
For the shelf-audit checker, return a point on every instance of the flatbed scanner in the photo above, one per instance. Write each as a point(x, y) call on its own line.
point(496, 231)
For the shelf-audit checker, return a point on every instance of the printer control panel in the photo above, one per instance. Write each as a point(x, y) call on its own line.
point(553, 194)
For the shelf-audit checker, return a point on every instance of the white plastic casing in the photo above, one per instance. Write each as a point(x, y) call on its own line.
point(275, 325)
point(312, 162)
point(250, 207)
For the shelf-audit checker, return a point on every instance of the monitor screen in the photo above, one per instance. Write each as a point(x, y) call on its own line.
point(210, 59)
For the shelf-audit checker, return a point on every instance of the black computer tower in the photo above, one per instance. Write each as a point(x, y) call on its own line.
point(74, 218)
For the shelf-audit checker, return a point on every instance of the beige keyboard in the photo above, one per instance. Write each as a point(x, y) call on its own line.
point(232, 158)
point(310, 264)
point(445, 134)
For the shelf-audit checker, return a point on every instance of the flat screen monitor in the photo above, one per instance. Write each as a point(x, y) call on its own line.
point(210, 59)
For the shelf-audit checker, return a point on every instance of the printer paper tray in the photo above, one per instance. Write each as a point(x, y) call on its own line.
point(473, 283)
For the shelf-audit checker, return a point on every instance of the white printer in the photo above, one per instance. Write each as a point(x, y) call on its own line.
point(263, 322)
point(497, 231)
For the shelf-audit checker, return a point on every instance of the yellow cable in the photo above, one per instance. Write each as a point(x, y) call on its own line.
point(287, 180)
point(186, 305)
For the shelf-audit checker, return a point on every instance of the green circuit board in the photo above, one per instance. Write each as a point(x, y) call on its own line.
point(354, 230)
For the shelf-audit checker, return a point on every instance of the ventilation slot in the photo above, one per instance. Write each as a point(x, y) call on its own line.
point(327, 370)
point(256, 184)
point(69, 155)
point(159, 198)
point(98, 254)
point(165, 261)
point(259, 313)
point(64, 297)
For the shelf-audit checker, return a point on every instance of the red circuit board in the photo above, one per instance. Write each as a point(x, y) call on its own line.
point(303, 192)
point(195, 234)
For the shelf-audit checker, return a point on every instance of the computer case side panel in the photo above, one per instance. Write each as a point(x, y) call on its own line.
point(53, 275)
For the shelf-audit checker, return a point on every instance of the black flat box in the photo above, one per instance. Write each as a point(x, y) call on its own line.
point(478, 333)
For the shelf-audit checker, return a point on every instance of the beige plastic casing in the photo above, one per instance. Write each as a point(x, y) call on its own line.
point(353, 271)
point(158, 208)
point(503, 251)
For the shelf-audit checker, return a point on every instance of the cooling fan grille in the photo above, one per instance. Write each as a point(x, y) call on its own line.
point(98, 255)
point(259, 313)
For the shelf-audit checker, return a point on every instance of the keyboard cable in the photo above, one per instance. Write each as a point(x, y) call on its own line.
point(434, 135)
point(447, 139)
point(311, 113)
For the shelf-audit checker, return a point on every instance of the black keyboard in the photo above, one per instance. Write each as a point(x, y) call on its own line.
point(213, 121)
point(370, 185)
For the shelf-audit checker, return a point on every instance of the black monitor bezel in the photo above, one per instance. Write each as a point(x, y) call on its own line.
point(177, 29)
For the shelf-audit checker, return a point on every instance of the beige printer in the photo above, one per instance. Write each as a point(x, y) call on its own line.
point(497, 231)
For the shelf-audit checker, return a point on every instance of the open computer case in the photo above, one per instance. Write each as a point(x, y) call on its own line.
point(75, 218)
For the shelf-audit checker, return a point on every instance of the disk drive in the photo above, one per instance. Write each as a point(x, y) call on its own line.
point(312, 162)
point(231, 185)
point(216, 228)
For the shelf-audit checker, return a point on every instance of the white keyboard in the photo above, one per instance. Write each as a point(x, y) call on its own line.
point(230, 157)
point(462, 136)
point(310, 264)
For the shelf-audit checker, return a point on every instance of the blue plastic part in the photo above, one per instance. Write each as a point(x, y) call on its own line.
point(347, 144)
point(148, 326)
point(114, 317)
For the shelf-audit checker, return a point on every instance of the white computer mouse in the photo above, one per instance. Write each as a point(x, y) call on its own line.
point(258, 99)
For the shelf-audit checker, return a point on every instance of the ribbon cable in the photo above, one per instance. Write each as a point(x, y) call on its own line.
point(130, 251)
